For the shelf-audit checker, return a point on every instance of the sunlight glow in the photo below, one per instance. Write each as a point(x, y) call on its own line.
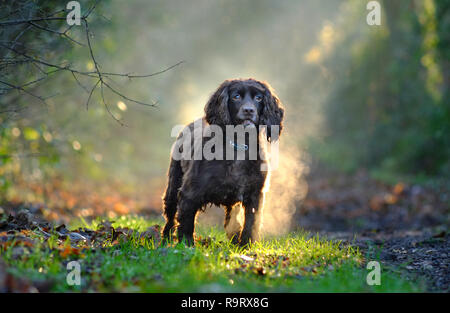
point(313, 56)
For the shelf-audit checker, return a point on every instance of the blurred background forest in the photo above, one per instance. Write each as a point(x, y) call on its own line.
point(357, 96)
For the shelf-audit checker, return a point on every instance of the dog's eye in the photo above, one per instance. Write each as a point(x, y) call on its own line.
point(236, 97)
point(258, 98)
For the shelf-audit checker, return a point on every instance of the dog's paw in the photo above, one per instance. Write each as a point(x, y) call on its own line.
point(234, 238)
point(244, 241)
point(187, 240)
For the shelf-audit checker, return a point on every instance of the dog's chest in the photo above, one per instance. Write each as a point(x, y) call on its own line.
point(239, 177)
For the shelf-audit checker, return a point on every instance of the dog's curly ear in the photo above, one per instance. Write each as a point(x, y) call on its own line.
point(273, 112)
point(216, 109)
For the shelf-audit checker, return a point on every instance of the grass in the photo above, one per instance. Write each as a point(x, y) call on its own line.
point(297, 262)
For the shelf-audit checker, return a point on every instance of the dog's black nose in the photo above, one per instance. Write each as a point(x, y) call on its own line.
point(250, 110)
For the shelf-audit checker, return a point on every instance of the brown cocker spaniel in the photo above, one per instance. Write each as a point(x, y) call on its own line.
point(194, 183)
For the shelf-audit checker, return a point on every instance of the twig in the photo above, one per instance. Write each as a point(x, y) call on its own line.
point(27, 21)
point(101, 77)
point(107, 108)
point(62, 34)
point(90, 94)
point(22, 89)
point(147, 75)
point(79, 83)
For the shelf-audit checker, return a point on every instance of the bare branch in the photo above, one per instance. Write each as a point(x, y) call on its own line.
point(62, 34)
point(79, 83)
point(27, 21)
point(24, 55)
point(146, 75)
point(100, 74)
point(107, 107)
point(20, 88)
point(90, 94)
point(85, 16)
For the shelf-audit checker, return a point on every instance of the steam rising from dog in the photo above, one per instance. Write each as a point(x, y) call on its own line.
point(285, 188)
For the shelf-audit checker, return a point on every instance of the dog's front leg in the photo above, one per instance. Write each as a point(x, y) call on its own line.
point(186, 220)
point(253, 213)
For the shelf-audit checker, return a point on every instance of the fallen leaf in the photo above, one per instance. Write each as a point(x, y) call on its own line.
point(68, 250)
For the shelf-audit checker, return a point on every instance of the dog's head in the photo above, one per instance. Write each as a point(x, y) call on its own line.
point(245, 102)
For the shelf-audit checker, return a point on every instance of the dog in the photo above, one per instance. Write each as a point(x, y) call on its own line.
point(193, 184)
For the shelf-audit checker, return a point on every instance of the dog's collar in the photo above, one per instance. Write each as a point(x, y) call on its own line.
point(242, 147)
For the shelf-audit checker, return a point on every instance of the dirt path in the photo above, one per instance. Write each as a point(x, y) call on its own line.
point(405, 226)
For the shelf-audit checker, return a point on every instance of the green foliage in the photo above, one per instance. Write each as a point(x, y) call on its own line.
point(388, 106)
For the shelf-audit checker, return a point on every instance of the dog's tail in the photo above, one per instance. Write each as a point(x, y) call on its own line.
point(170, 198)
